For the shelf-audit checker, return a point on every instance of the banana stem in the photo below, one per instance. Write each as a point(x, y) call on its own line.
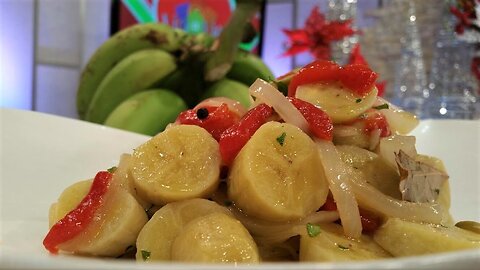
point(221, 59)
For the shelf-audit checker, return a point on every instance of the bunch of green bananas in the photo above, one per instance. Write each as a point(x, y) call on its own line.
point(144, 76)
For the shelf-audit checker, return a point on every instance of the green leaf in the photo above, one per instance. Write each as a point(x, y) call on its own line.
point(112, 169)
point(358, 100)
point(381, 107)
point(281, 138)
point(145, 254)
point(313, 230)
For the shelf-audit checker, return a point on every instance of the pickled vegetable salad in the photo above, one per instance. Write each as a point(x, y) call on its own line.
point(327, 173)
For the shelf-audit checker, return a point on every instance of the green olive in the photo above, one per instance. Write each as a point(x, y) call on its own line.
point(469, 226)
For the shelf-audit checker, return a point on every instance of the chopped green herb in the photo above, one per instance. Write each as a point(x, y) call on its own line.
point(381, 107)
point(437, 191)
point(313, 230)
point(281, 138)
point(145, 254)
point(358, 100)
point(228, 203)
point(342, 247)
point(112, 169)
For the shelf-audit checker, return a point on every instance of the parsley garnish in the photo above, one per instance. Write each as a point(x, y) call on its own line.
point(145, 254)
point(281, 138)
point(342, 247)
point(112, 169)
point(381, 107)
point(313, 230)
point(358, 100)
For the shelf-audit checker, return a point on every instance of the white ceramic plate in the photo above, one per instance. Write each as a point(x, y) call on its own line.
point(42, 154)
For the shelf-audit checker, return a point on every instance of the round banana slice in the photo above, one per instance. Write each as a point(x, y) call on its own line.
point(331, 245)
point(339, 103)
point(183, 162)
point(215, 238)
point(114, 228)
point(154, 243)
point(68, 200)
point(276, 176)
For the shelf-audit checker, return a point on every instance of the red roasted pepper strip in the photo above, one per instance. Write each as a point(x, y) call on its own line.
point(358, 78)
point(317, 71)
point(318, 121)
point(79, 218)
point(236, 136)
point(214, 119)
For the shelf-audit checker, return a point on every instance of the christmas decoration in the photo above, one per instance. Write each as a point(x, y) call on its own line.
point(317, 35)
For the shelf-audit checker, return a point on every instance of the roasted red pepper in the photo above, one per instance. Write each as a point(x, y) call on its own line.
point(318, 121)
point(214, 119)
point(356, 77)
point(236, 136)
point(317, 71)
point(79, 218)
point(374, 120)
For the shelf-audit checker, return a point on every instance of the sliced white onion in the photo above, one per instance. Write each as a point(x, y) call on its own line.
point(374, 139)
point(399, 121)
point(373, 199)
point(345, 131)
point(336, 173)
point(233, 105)
point(269, 95)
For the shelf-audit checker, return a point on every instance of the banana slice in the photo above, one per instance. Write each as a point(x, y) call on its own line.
point(123, 178)
point(68, 200)
point(276, 176)
point(372, 168)
point(331, 245)
point(113, 229)
point(155, 241)
point(215, 238)
point(183, 162)
point(340, 104)
point(405, 238)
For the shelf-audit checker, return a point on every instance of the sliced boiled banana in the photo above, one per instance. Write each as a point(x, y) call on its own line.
point(157, 236)
point(113, 229)
point(68, 200)
point(123, 178)
point(183, 162)
point(331, 245)
point(405, 238)
point(372, 168)
point(276, 176)
point(215, 238)
point(339, 103)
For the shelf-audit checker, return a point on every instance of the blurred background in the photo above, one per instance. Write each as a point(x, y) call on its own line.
point(426, 62)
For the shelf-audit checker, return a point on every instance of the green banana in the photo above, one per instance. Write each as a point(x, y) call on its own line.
point(230, 89)
point(135, 73)
point(247, 67)
point(147, 112)
point(122, 44)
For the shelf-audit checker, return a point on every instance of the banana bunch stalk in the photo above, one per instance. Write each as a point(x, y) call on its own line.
point(145, 75)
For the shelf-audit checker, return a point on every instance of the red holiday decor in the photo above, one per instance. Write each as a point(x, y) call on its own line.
point(317, 35)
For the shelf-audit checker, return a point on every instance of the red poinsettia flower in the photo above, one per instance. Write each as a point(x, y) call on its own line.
point(317, 35)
